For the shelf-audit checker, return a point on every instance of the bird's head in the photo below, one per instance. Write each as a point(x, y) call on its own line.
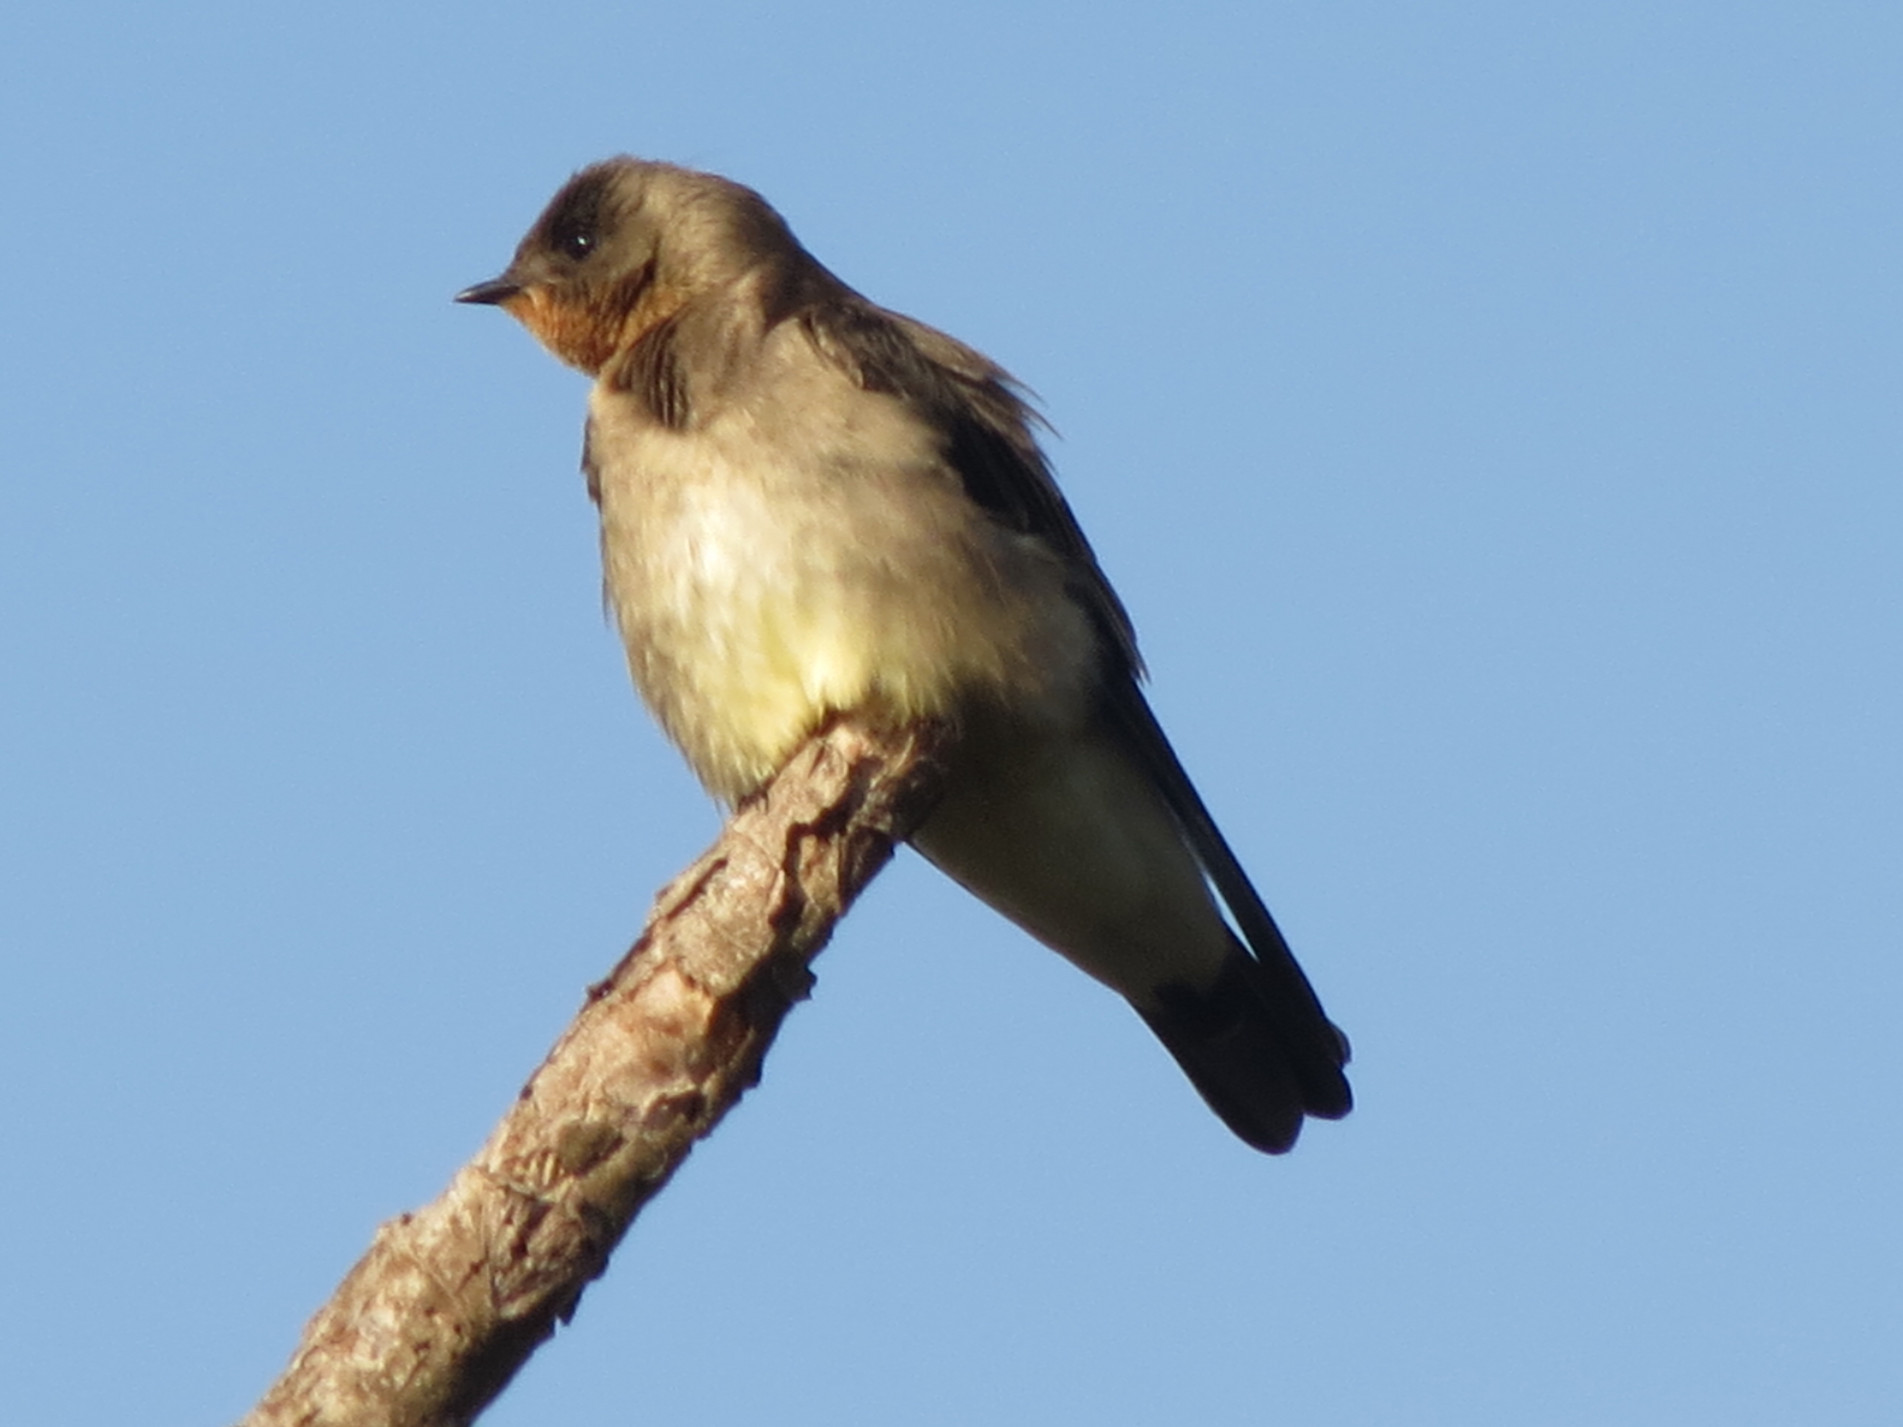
point(622, 247)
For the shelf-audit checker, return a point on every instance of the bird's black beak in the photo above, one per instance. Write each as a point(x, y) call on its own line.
point(490, 293)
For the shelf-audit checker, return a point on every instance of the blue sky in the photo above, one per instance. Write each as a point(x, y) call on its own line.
point(1490, 414)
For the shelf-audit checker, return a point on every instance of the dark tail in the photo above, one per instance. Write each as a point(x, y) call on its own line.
point(1238, 1053)
point(1256, 1042)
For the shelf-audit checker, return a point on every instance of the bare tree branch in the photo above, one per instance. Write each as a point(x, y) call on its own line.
point(450, 1300)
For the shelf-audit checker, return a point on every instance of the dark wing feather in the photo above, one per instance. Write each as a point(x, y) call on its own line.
point(1315, 1046)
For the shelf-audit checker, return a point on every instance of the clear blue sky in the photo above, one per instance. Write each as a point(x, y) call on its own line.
point(1492, 416)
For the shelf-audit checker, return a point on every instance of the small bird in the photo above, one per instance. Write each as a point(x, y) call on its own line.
point(812, 505)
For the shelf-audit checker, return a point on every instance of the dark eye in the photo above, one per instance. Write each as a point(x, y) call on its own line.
point(575, 220)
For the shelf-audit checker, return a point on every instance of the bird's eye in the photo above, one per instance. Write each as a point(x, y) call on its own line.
point(576, 220)
point(575, 241)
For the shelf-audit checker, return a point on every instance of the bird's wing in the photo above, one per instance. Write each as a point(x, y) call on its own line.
point(991, 446)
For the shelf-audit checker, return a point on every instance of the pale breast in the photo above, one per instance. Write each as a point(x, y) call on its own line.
point(804, 549)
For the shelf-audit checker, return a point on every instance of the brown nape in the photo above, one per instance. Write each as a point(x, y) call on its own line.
point(1227, 1042)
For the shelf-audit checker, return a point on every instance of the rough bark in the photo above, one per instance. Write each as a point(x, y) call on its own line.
point(450, 1300)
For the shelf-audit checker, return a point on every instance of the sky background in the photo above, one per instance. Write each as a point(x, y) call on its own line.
point(1490, 414)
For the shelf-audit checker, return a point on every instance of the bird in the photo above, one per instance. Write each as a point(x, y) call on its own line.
point(812, 507)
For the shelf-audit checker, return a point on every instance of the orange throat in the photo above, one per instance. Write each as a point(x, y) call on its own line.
point(586, 331)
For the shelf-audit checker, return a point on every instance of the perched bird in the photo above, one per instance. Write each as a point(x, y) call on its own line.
point(810, 505)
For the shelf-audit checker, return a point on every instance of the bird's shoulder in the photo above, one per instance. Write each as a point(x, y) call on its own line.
point(985, 427)
point(794, 352)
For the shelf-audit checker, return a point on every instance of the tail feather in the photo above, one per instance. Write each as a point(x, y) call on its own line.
point(1256, 1042)
point(1237, 1052)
